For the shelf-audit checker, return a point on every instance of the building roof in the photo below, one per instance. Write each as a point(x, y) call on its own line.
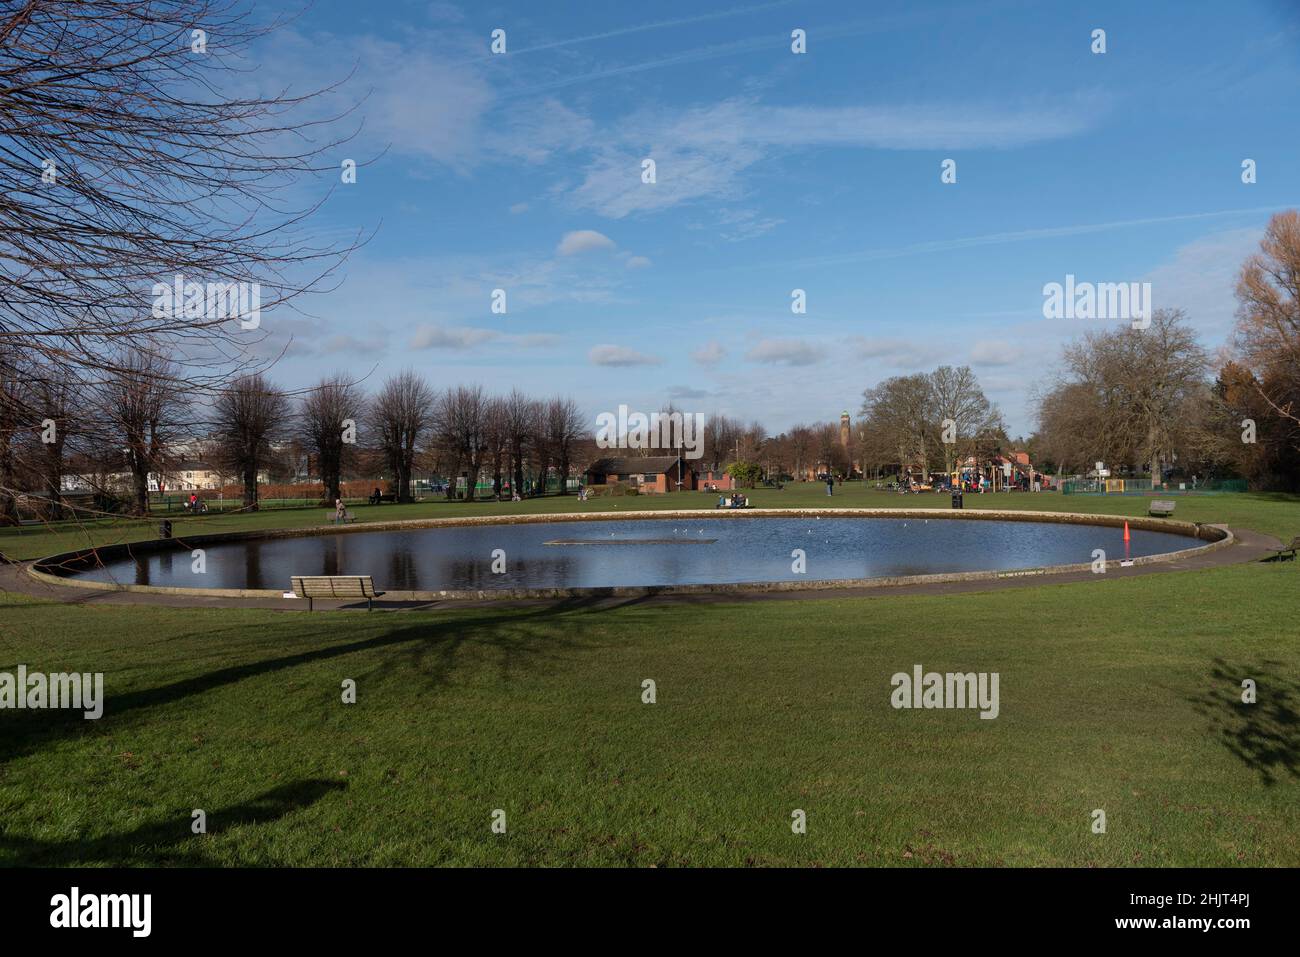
point(629, 466)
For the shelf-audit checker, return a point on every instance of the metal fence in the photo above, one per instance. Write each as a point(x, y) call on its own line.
point(1142, 486)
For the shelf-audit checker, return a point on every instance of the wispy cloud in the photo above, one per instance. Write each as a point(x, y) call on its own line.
point(611, 355)
point(582, 241)
point(788, 352)
point(709, 354)
point(1019, 236)
point(702, 151)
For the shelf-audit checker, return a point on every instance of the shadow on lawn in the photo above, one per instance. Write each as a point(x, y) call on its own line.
point(1265, 736)
point(434, 646)
point(160, 844)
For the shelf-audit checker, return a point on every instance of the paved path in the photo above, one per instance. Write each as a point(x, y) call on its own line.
point(1248, 547)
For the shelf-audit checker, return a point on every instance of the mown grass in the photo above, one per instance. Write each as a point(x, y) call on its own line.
point(1119, 695)
point(1273, 513)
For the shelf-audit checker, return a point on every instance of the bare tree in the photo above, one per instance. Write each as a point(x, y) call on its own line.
point(127, 169)
point(327, 423)
point(400, 417)
point(496, 437)
point(900, 411)
point(53, 397)
point(461, 417)
point(564, 426)
point(1268, 320)
point(141, 409)
point(1140, 379)
point(957, 398)
point(251, 414)
point(520, 415)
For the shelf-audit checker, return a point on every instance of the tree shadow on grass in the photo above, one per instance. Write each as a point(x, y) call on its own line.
point(1265, 736)
point(159, 844)
point(520, 637)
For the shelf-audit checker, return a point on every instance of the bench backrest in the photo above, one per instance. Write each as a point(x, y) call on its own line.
point(333, 586)
point(1162, 506)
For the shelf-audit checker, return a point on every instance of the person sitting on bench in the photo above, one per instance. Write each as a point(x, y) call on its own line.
point(375, 497)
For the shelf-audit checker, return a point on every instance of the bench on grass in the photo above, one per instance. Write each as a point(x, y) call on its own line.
point(347, 516)
point(335, 586)
point(1160, 509)
point(1289, 551)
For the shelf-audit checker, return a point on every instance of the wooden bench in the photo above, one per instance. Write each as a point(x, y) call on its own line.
point(1161, 509)
point(1288, 550)
point(335, 586)
point(347, 517)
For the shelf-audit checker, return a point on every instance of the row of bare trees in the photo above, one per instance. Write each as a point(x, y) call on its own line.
point(140, 420)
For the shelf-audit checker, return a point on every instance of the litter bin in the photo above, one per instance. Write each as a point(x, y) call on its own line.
point(956, 499)
point(164, 529)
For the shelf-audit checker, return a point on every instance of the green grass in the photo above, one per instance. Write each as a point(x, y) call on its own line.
point(1120, 695)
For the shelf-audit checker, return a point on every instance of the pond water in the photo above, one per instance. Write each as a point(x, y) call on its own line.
point(647, 552)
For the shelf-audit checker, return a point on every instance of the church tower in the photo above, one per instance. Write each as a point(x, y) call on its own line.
point(844, 428)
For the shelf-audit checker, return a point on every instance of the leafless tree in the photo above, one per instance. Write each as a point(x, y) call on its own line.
point(141, 411)
point(1268, 318)
point(956, 396)
point(496, 437)
point(400, 417)
point(328, 418)
point(461, 417)
point(521, 414)
point(251, 414)
point(564, 426)
point(54, 399)
point(127, 164)
point(1140, 379)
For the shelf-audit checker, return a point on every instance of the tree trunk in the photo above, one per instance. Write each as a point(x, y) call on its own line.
point(564, 473)
point(250, 488)
point(140, 475)
point(54, 480)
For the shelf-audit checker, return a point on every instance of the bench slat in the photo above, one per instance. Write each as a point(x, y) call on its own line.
point(333, 586)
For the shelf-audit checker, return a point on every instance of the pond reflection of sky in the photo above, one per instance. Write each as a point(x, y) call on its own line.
point(744, 550)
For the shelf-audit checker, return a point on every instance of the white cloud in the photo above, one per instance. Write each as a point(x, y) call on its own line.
point(895, 353)
point(701, 152)
point(441, 337)
point(709, 354)
point(610, 355)
point(638, 262)
point(789, 352)
point(995, 352)
point(1201, 278)
point(581, 241)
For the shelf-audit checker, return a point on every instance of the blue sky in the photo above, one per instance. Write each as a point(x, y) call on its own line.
point(778, 171)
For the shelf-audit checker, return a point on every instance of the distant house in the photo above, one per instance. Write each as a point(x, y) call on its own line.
point(652, 474)
point(719, 481)
point(191, 477)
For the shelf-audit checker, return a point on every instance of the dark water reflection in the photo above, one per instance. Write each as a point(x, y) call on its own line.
point(745, 550)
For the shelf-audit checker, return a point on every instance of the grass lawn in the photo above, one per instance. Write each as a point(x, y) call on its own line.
point(1274, 514)
point(1119, 695)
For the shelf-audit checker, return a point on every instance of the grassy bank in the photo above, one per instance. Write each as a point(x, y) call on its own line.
point(1115, 695)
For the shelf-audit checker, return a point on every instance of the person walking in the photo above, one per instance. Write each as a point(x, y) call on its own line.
point(830, 484)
